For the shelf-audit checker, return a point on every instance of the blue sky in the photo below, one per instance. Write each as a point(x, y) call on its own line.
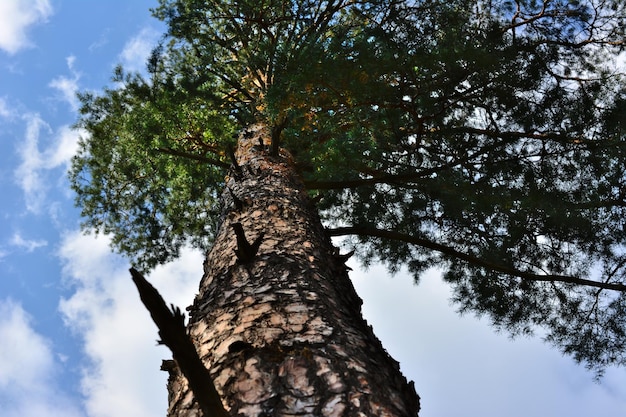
point(74, 338)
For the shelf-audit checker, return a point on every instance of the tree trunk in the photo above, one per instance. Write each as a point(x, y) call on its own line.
point(279, 324)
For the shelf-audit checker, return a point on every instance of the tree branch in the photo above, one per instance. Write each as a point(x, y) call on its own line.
point(174, 335)
point(174, 152)
point(446, 250)
point(417, 174)
point(276, 132)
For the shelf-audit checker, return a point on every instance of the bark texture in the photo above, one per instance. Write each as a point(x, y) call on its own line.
point(277, 321)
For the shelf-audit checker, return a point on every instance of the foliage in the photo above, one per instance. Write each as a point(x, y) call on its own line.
point(484, 137)
point(131, 179)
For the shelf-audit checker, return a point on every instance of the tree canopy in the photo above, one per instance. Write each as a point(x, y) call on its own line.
point(487, 138)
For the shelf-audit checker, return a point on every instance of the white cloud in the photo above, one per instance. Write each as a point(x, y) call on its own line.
point(16, 16)
point(68, 86)
point(118, 334)
point(27, 369)
point(35, 161)
point(137, 50)
point(64, 147)
point(102, 41)
point(461, 366)
point(5, 109)
point(29, 352)
point(27, 173)
point(28, 245)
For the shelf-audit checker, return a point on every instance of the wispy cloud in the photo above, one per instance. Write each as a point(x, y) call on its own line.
point(35, 161)
point(102, 40)
point(29, 245)
point(16, 17)
point(5, 109)
point(27, 173)
point(137, 50)
point(65, 146)
point(118, 335)
point(68, 86)
point(28, 369)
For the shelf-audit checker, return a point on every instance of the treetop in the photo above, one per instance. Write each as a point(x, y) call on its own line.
point(485, 138)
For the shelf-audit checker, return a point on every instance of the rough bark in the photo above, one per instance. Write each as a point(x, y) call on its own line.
point(277, 321)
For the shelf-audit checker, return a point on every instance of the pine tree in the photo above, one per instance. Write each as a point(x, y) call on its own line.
point(485, 138)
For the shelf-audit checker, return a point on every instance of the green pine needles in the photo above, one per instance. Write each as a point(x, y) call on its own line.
point(485, 138)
